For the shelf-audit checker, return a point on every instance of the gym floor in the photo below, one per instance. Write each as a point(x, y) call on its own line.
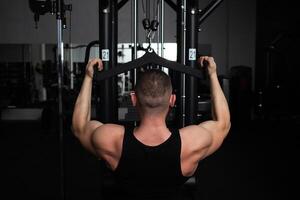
point(258, 160)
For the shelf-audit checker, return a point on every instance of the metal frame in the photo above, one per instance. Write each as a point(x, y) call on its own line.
point(189, 18)
point(191, 88)
point(59, 63)
point(208, 10)
point(107, 102)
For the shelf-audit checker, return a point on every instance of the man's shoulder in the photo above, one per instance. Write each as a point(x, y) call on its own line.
point(112, 127)
point(195, 134)
point(192, 129)
point(109, 132)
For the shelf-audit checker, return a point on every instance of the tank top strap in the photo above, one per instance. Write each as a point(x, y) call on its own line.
point(127, 131)
point(175, 132)
point(128, 134)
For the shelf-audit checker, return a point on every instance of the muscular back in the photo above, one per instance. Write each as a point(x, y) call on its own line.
point(108, 139)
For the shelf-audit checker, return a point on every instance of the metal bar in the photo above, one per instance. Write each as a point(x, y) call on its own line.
point(191, 58)
point(148, 15)
point(208, 10)
point(162, 27)
point(71, 68)
point(184, 61)
point(59, 63)
point(180, 83)
point(60, 56)
point(156, 16)
point(105, 107)
point(180, 31)
point(171, 4)
point(114, 58)
point(121, 4)
point(135, 36)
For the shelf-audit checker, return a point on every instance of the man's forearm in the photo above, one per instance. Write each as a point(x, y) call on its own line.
point(82, 110)
point(220, 110)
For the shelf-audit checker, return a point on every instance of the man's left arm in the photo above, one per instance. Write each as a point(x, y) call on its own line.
point(83, 127)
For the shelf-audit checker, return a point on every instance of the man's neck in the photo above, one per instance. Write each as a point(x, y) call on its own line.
point(153, 122)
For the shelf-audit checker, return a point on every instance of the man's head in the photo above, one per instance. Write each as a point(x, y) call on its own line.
point(153, 92)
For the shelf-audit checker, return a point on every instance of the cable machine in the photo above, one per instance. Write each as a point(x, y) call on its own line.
point(189, 18)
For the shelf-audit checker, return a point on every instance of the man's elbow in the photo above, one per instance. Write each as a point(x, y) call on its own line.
point(76, 130)
point(226, 123)
point(225, 126)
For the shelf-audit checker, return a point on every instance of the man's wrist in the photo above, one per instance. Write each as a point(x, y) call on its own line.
point(88, 77)
point(212, 74)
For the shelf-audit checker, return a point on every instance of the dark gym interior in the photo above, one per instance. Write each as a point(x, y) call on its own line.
point(43, 54)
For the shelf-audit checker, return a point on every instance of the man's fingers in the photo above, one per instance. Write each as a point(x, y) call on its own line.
point(100, 65)
point(96, 61)
point(202, 59)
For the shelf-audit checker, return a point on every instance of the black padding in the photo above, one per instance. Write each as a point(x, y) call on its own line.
point(146, 59)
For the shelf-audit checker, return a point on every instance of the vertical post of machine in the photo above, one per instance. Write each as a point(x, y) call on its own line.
point(106, 95)
point(114, 56)
point(180, 84)
point(191, 60)
point(59, 63)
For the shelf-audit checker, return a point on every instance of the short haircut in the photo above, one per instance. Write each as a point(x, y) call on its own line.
point(153, 90)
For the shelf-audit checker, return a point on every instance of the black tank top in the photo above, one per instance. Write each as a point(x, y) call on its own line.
point(150, 172)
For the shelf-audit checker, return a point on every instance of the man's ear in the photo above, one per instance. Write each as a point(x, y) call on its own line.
point(133, 98)
point(172, 100)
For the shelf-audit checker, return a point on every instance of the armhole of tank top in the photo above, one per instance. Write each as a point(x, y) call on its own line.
point(126, 134)
point(180, 143)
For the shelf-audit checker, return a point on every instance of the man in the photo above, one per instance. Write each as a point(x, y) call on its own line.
point(152, 161)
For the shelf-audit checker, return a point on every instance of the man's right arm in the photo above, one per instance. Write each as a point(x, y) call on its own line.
point(219, 126)
point(199, 141)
